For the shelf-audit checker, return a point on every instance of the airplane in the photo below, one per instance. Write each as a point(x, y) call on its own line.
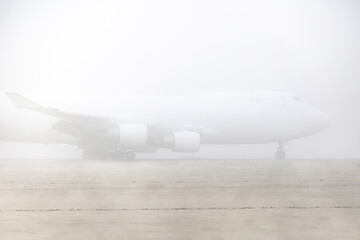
point(118, 127)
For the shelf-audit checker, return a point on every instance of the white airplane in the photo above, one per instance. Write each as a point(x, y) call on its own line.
point(119, 126)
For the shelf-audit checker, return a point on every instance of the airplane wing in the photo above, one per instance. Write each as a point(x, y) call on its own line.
point(70, 122)
point(102, 133)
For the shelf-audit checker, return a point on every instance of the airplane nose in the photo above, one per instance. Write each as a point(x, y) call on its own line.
point(318, 121)
point(324, 121)
point(327, 121)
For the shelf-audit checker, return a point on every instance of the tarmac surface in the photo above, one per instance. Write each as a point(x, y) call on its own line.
point(180, 199)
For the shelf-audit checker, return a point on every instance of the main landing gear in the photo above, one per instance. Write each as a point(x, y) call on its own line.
point(119, 154)
point(122, 154)
point(280, 153)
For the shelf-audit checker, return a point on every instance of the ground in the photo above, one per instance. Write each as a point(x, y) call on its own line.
point(179, 199)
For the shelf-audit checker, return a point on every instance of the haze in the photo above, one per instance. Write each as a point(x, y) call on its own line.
point(310, 48)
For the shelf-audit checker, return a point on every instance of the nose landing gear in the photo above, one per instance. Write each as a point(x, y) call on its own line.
point(280, 153)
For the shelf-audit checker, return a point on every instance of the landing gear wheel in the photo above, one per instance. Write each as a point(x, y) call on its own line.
point(280, 155)
point(129, 155)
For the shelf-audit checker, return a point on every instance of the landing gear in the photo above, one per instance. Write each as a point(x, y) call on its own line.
point(122, 154)
point(280, 154)
point(129, 155)
point(118, 153)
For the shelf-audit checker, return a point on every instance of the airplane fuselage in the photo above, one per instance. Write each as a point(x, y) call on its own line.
point(248, 117)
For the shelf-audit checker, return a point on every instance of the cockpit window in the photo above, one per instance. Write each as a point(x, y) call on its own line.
point(296, 98)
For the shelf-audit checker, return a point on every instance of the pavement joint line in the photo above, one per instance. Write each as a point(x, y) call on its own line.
point(210, 187)
point(176, 209)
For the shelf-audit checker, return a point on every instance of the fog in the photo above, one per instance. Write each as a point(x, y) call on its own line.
point(310, 48)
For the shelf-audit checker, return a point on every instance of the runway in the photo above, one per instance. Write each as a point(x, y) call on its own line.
point(179, 199)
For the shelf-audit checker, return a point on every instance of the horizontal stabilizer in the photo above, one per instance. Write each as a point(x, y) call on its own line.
point(23, 102)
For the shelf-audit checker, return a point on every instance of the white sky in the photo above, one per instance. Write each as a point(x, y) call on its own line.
point(311, 48)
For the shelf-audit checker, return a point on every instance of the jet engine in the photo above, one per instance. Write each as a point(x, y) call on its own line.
point(180, 142)
point(126, 135)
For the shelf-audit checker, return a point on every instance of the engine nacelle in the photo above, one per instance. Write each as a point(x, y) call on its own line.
point(127, 135)
point(181, 142)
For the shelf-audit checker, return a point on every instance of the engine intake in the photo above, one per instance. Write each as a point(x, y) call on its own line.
point(127, 135)
point(180, 142)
